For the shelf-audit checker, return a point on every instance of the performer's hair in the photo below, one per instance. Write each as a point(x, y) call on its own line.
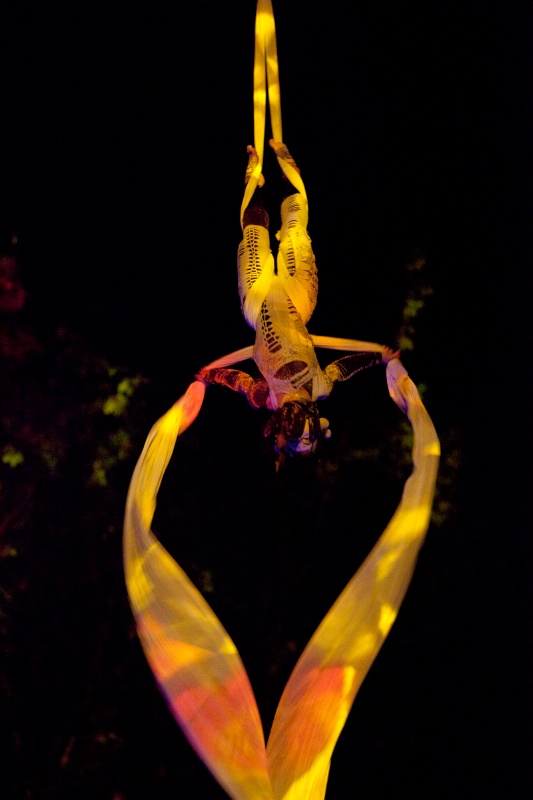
point(286, 426)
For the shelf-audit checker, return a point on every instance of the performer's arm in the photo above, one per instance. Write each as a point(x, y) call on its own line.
point(256, 390)
point(344, 368)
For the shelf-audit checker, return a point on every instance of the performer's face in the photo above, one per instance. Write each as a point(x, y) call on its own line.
point(305, 444)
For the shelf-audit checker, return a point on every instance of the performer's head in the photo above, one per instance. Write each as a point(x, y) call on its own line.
point(297, 429)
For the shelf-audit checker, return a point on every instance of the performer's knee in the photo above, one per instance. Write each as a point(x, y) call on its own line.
point(255, 215)
point(255, 212)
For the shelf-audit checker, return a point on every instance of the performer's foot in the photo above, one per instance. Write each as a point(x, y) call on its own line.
point(282, 152)
point(388, 354)
point(253, 160)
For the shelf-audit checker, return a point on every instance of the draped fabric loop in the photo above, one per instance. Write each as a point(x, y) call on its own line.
point(194, 661)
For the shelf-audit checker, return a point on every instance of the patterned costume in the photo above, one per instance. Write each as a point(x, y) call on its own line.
point(277, 302)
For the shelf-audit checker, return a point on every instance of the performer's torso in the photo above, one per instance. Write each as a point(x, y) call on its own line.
point(284, 350)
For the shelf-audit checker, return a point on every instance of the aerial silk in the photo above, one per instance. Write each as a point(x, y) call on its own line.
point(266, 83)
point(194, 660)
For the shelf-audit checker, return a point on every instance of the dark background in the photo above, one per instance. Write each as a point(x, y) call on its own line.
point(124, 135)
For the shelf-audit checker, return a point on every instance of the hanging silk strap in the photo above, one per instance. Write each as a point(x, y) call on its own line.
point(327, 342)
point(323, 685)
point(266, 83)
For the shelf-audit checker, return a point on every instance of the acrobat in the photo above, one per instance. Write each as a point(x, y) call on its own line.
point(277, 302)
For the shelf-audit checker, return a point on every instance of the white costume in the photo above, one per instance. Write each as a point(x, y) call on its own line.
point(278, 303)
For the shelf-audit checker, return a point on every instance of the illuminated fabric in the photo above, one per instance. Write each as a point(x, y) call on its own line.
point(266, 80)
point(197, 665)
point(278, 301)
point(195, 662)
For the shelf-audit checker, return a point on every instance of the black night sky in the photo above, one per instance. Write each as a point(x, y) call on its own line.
point(123, 154)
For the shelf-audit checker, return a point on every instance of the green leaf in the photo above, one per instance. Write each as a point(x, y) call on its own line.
point(12, 457)
point(115, 405)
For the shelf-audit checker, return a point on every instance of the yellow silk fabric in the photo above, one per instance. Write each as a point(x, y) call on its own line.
point(197, 665)
point(266, 82)
point(329, 342)
point(322, 687)
point(192, 657)
point(356, 345)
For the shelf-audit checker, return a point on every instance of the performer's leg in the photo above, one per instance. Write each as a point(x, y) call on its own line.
point(254, 250)
point(295, 254)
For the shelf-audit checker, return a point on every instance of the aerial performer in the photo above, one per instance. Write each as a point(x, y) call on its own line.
point(195, 662)
point(278, 302)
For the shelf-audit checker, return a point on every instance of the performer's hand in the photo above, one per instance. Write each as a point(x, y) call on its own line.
point(202, 376)
point(388, 354)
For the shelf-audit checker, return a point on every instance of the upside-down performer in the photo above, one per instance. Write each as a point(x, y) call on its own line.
point(194, 660)
point(278, 303)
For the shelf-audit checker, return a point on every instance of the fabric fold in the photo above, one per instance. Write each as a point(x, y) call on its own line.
point(320, 692)
point(194, 661)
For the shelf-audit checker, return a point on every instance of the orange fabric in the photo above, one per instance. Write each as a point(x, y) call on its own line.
point(197, 665)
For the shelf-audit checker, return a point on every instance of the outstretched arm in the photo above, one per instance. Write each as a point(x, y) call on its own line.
point(344, 368)
point(256, 390)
